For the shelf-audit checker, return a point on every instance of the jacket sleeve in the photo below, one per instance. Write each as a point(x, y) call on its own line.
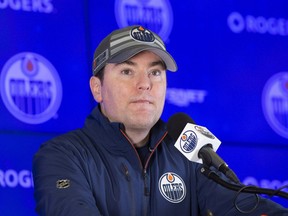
point(217, 200)
point(61, 185)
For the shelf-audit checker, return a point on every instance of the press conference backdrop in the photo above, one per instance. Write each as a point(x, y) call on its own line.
point(232, 78)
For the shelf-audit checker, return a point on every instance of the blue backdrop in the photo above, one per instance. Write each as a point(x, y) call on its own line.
point(232, 78)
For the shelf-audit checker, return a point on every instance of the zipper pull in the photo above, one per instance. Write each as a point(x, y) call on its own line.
point(126, 172)
point(146, 188)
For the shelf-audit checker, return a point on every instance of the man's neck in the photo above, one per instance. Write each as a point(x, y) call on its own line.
point(137, 138)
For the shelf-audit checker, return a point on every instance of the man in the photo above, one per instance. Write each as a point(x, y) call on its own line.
point(122, 162)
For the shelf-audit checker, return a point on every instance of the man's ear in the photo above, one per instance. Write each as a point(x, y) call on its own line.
point(95, 87)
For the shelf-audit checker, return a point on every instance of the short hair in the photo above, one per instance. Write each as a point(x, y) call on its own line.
point(100, 74)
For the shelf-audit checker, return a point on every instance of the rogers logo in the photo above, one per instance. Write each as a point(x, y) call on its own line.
point(239, 23)
point(12, 178)
point(184, 97)
point(40, 6)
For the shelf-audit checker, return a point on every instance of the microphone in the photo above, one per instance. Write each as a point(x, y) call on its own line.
point(197, 143)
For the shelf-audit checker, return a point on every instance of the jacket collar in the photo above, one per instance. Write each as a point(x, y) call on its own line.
point(100, 128)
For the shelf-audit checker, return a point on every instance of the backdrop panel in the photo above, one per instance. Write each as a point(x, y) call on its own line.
point(232, 79)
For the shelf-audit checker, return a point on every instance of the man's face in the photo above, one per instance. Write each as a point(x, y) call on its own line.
point(133, 92)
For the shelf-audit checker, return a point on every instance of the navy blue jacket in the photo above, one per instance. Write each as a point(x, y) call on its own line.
point(97, 171)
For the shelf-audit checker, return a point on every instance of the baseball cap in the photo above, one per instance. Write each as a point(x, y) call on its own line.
point(122, 44)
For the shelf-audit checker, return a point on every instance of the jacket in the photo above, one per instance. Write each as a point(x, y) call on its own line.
point(95, 170)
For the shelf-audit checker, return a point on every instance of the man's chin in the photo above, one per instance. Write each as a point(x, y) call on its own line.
point(144, 122)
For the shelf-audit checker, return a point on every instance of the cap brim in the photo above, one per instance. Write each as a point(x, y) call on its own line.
point(132, 51)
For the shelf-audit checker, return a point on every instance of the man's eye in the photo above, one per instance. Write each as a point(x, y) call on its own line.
point(126, 72)
point(156, 73)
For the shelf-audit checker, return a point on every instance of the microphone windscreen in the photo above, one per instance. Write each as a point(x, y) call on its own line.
point(176, 124)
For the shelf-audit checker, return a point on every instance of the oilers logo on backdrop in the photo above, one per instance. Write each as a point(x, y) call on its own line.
point(188, 141)
point(156, 15)
point(172, 187)
point(275, 103)
point(30, 88)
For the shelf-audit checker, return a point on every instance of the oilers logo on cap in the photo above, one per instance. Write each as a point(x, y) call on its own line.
point(142, 35)
point(30, 88)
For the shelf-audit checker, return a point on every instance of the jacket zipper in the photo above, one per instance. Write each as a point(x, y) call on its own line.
point(146, 188)
point(145, 175)
point(126, 172)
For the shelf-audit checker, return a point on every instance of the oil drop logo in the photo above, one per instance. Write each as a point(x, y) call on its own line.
point(275, 103)
point(156, 15)
point(30, 88)
point(172, 187)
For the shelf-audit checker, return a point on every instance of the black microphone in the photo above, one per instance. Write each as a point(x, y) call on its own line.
point(197, 143)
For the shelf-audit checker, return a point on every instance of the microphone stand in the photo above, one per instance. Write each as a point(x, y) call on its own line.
point(248, 189)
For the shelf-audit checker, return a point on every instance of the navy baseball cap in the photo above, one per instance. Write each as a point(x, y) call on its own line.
point(122, 44)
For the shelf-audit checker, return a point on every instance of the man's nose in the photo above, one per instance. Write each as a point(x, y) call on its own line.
point(144, 82)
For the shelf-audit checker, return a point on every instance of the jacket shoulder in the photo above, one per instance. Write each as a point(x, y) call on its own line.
point(69, 142)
